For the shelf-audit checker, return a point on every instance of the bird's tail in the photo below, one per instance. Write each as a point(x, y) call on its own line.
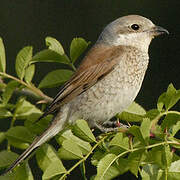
point(55, 127)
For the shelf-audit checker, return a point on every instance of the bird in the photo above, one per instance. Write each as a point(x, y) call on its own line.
point(106, 82)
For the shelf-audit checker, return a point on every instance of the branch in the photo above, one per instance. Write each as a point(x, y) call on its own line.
point(35, 91)
point(83, 159)
point(158, 117)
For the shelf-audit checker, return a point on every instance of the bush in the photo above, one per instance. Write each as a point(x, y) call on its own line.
point(148, 149)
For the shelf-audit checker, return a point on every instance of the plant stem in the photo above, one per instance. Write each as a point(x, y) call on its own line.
point(140, 148)
point(35, 90)
point(11, 125)
point(83, 159)
point(156, 119)
point(125, 152)
point(73, 67)
point(173, 112)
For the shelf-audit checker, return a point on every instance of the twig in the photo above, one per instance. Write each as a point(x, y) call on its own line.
point(35, 90)
point(139, 148)
point(83, 159)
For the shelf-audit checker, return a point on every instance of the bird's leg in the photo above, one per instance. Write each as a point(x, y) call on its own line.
point(105, 129)
point(111, 126)
point(121, 125)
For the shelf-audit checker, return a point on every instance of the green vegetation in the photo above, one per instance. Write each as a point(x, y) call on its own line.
point(148, 149)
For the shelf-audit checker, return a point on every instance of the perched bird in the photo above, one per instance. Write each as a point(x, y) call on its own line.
point(106, 82)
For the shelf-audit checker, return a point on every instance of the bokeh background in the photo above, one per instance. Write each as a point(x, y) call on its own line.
point(29, 22)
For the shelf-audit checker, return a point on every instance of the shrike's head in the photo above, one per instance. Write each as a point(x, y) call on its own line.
point(132, 30)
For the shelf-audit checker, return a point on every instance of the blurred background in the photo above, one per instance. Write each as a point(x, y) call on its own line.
point(29, 22)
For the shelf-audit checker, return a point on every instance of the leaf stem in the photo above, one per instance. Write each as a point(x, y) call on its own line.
point(156, 119)
point(83, 159)
point(35, 90)
point(73, 67)
point(140, 148)
point(173, 112)
point(11, 125)
point(166, 173)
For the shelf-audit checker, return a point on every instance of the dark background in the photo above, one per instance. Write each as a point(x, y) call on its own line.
point(29, 22)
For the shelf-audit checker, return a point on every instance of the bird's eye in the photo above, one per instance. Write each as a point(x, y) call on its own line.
point(135, 27)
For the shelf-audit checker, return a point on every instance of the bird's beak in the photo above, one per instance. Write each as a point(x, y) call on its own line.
point(158, 30)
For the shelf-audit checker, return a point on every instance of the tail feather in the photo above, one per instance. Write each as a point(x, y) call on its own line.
point(52, 130)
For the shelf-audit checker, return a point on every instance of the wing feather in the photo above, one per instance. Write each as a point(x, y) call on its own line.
point(97, 64)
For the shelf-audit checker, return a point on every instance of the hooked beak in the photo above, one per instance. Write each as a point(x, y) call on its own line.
point(158, 30)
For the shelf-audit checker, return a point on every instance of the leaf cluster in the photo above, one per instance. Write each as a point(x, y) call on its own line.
point(149, 149)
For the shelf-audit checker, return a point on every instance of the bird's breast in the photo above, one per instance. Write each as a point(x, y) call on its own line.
point(115, 92)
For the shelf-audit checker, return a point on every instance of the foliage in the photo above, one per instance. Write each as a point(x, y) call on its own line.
point(148, 149)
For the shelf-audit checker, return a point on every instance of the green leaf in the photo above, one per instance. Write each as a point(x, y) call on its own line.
point(169, 98)
point(38, 127)
point(11, 86)
point(2, 85)
point(2, 57)
point(174, 170)
point(156, 156)
point(113, 171)
point(161, 102)
point(104, 167)
point(46, 155)
point(83, 170)
point(54, 169)
point(175, 99)
point(121, 141)
point(68, 135)
point(122, 165)
point(7, 158)
point(167, 156)
point(23, 172)
point(134, 160)
point(70, 150)
point(49, 55)
point(97, 156)
point(135, 108)
point(29, 73)
point(171, 91)
point(134, 113)
point(153, 113)
point(82, 130)
point(145, 129)
point(174, 175)
point(176, 146)
point(2, 136)
point(151, 172)
point(19, 137)
point(55, 78)
point(170, 120)
point(54, 45)
point(135, 130)
point(25, 108)
point(176, 128)
point(146, 158)
point(77, 47)
point(4, 113)
point(22, 61)
point(9, 176)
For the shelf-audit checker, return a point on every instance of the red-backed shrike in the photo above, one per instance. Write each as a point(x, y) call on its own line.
point(107, 81)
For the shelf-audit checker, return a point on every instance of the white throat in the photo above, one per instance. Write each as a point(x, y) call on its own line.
point(137, 40)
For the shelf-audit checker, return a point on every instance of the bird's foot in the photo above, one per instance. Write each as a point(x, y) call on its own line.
point(112, 126)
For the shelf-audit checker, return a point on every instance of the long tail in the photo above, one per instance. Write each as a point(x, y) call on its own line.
point(56, 126)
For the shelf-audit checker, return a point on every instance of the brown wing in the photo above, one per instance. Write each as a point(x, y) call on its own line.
point(99, 61)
